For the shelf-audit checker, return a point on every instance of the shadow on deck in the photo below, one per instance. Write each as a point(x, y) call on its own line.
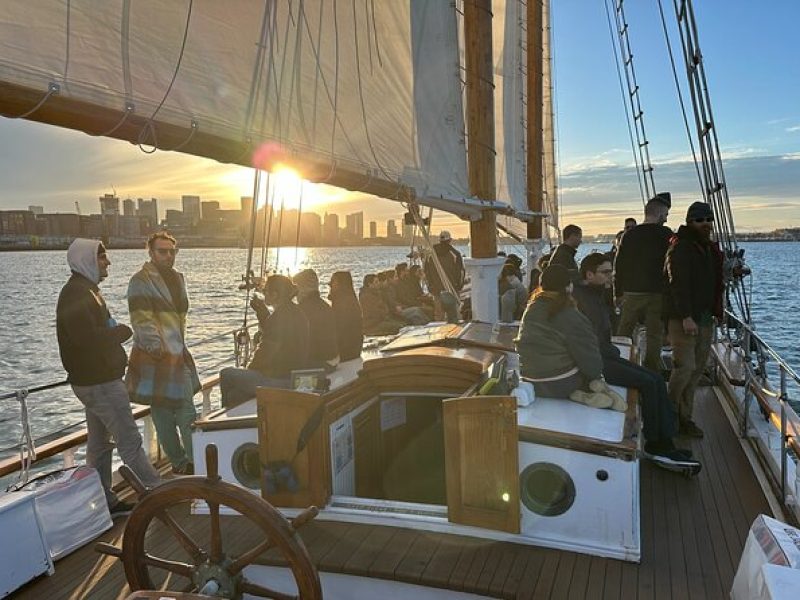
point(693, 532)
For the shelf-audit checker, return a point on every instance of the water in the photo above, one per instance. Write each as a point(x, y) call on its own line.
point(31, 282)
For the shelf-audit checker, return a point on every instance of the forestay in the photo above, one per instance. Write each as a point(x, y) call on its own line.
point(373, 88)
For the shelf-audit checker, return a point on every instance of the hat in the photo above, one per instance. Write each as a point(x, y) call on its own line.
point(555, 278)
point(445, 236)
point(665, 198)
point(514, 259)
point(698, 210)
point(306, 280)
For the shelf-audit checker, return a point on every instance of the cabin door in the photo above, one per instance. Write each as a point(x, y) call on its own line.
point(482, 462)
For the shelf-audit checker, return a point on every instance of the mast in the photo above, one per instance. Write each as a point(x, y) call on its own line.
point(484, 265)
point(535, 146)
point(480, 121)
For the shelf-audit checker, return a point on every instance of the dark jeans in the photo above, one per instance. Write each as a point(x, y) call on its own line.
point(657, 412)
point(239, 385)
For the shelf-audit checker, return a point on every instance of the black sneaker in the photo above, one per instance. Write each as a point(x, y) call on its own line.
point(187, 469)
point(121, 509)
point(670, 446)
point(689, 428)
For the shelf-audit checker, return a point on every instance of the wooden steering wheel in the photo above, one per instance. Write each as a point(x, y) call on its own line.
point(212, 572)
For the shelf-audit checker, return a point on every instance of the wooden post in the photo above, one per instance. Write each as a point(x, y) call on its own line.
point(480, 121)
point(535, 173)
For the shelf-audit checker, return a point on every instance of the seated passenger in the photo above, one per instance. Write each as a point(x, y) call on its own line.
point(283, 347)
point(513, 295)
point(658, 415)
point(558, 348)
point(323, 350)
point(411, 315)
point(347, 314)
point(409, 289)
point(377, 320)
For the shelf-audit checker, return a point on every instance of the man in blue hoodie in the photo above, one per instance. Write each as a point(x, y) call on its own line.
point(90, 344)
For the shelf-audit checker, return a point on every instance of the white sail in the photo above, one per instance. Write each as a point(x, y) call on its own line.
point(350, 85)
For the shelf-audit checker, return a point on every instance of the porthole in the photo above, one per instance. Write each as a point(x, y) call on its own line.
point(246, 466)
point(546, 489)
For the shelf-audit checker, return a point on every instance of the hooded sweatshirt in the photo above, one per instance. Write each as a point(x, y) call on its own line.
point(89, 341)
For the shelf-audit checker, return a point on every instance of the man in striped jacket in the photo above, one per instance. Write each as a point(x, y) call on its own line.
point(161, 371)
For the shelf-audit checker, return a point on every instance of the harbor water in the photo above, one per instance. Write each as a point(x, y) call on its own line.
point(31, 282)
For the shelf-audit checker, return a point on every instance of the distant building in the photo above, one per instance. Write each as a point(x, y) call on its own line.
point(17, 222)
point(408, 232)
point(310, 229)
point(128, 208)
point(391, 229)
point(209, 209)
point(330, 230)
point(149, 209)
point(191, 208)
point(130, 226)
point(59, 224)
point(354, 228)
point(109, 204)
point(373, 230)
point(176, 219)
point(37, 210)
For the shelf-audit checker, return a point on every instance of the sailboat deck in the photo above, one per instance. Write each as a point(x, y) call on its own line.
point(693, 532)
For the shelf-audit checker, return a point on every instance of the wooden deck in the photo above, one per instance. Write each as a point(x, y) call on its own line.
point(693, 533)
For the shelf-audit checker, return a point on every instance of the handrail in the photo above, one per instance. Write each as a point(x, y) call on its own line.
point(765, 346)
point(78, 438)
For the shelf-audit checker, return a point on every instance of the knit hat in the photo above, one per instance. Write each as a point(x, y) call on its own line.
point(698, 210)
point(306, 281)
point(555, 278)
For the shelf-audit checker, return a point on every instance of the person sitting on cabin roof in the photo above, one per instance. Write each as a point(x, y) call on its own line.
point(323, 343)
point(347, 315)
point(377, 320)
point(659, 420)
point(410, 295)
point(558, 349)
point(410, 315)
point(283, 348)
point(513, 295)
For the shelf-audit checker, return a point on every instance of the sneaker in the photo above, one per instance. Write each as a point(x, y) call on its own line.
point(187, 469)
point(689, 428)
point(670, 445)
point(121, 509)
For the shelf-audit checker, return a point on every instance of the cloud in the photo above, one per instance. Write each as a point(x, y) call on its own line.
point(793, 128)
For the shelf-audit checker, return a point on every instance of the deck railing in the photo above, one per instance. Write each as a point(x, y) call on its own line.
point(67, 445)
point(773, 403)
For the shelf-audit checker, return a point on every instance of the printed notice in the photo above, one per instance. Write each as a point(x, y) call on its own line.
point(393, 413)
point(342, 447)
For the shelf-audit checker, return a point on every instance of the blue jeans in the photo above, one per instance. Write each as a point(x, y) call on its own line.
point(169, 422)
point(239, 385)
point(449, 306)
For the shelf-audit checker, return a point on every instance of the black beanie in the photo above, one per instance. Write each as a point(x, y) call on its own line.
point(555, 278)
point(698, 210)
point(665, 198)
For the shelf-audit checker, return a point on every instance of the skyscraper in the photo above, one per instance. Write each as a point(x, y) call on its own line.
point(209, 209)
point(330, 230)
point(355, 226)
point(109, 204)
point(128, 208)
point(191, 209)
point(373, 230)
point(391, 229)
point(148, 209)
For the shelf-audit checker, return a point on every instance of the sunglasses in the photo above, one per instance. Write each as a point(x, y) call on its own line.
point(165, 251)
point(703, 220)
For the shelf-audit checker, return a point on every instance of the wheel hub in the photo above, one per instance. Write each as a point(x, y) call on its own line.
point(228, 585)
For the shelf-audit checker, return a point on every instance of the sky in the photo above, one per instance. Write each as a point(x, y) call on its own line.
point(751, 59)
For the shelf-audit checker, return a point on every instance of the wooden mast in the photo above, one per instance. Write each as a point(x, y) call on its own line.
point(535, 171)
point(480, 121)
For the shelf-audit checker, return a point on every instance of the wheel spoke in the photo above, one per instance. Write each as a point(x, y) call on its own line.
point(184, 539)
point(179, 568)
point(249, 556)
point(264, 592)
point(216, 533)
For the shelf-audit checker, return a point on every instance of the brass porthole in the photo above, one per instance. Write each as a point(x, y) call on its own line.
point(546, 489)
point(246, 466)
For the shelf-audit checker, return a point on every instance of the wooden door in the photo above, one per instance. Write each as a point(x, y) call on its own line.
point(368, 457)
point(482, 462)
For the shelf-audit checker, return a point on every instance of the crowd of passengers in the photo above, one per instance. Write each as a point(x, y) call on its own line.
point(669, 282)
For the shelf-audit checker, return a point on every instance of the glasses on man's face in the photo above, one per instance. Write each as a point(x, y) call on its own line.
point(704, 220)
point(165, 251)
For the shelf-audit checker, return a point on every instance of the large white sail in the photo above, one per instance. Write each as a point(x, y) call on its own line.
point(369, 90)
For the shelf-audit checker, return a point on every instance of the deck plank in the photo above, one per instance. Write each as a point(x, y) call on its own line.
point(692, 534)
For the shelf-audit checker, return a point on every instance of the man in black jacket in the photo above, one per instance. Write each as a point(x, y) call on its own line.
point(693, 299)
point(90, 344)
point(323, 343)
point(657, 413)
point(453, 266)
point(639, 279)
point(564, 253)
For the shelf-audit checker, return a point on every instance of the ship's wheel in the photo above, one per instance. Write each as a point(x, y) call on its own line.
point(210, 570)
